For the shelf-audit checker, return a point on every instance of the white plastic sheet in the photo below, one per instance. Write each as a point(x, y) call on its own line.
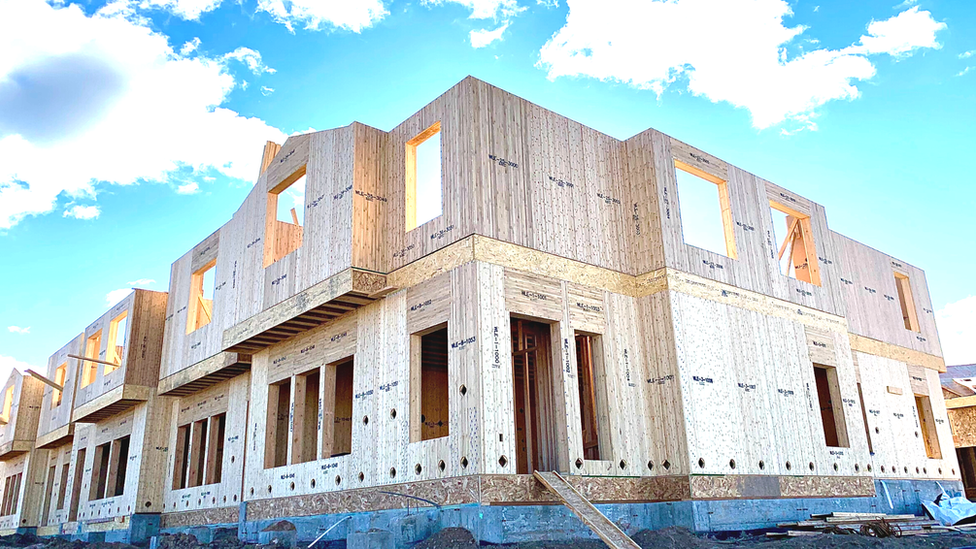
point(951, 510)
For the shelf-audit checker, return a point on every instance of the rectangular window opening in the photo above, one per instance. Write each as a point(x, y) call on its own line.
point(8, 403)
point(182, 457)
point(99, 476)
point(215, 448)
point(200, 309)
point(831, 408)
point(76, 486)
point(117, 332)
point(48, 494)
point(797, 252)
point(276, 443)
point(285, 217)
point(198, 452)
point(592, 395)
point(119, 464)
point(89, 369)
point(864, 415)
point(305, 433)
point(424, 187)
point(60, 374)
point(926, 420)
point(63, 487)
point(908, 314)
point(705, 221)
point(428, 384)
point(337, 416)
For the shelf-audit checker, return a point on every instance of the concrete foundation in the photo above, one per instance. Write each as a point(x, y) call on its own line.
point(518, 523)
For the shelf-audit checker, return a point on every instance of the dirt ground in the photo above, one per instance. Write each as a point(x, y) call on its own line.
point(459, 538)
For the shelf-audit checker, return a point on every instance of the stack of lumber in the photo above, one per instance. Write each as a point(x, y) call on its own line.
point(868, 524)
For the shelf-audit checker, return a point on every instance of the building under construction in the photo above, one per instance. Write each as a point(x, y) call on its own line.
point(412, 329)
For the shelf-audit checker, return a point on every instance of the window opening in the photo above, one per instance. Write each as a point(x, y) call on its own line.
point(200, 309)
point(60, 374)
point(592, 395)
point(797, 253)
point(341, 435)
point(215, 448)
point(276, 443)
point(705, 221)
point(424, 188)
point(283, 222)
point(905, 298)
point(8, 403)
point(117, 332)
point(304, 439)
point(927, 420)
point(198, 452)
point(89, 369)
point(63, 487)
point(182, 461)
point(99, 477)
point(120, 460)
point(831, 410)
point(46, 510)
point(428, 384)
point(76, 486)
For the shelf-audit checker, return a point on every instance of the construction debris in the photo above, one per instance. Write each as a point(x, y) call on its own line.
point(877, 525)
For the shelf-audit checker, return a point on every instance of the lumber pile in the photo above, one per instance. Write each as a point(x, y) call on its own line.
point(867, 524)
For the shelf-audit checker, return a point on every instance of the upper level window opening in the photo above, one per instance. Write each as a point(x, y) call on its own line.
point(89, 369)
point(424, 188)
point(285, 217)
point(907, 301)
point(705, 221)
point(797, 252)
point(8, 403)
point(200, 309)
point(117, 333)
point(60, 373)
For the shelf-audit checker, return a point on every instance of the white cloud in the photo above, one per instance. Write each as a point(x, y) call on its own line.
point(354, 15)
point(74, 86)
point(967, 54)
point(78, 211)
point(964, 71)
point(266, 91)
point(906, 4)
point(483, 37)
point(18, 329)
point(250, 58)
point(142, 282)
point(734, 51)
point(957, 331)
point(485, 9)
point(190, 47)
point(189, 188)
point(548, 3)
point(187, 9)
point(115, 296)
point(8, 363)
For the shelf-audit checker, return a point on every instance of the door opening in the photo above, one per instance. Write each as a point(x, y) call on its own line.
point(535, 404)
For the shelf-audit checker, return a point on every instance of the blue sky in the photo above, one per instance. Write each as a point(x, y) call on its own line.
point(131, 129)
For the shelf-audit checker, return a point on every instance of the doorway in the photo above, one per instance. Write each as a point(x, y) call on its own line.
point(534, 386)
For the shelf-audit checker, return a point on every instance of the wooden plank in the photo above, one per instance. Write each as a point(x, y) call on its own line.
point(609, 532)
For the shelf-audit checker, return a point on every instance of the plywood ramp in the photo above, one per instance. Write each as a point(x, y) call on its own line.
point(590, 515)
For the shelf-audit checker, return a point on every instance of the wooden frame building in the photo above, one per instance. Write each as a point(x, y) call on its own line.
point(491, 289)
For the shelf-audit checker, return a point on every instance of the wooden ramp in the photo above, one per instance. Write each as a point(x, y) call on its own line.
point(590, 515)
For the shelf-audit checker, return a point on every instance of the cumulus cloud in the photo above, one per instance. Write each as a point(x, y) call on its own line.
point(186, 9)
point(189, 188)
point(485, 9)
point(115, 296)
point(250, 58)
point(353, 15)
point(483, 37)
point(957, 331)
point(73, 86)
point(967, 54)
point(8, 363)
point(18, 329)
point(79, 212)
point(190, 47)
point(734, 51)
point(142, 282)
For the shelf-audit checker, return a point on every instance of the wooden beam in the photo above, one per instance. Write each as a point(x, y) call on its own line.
point(43, 379)
point(93, 360)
